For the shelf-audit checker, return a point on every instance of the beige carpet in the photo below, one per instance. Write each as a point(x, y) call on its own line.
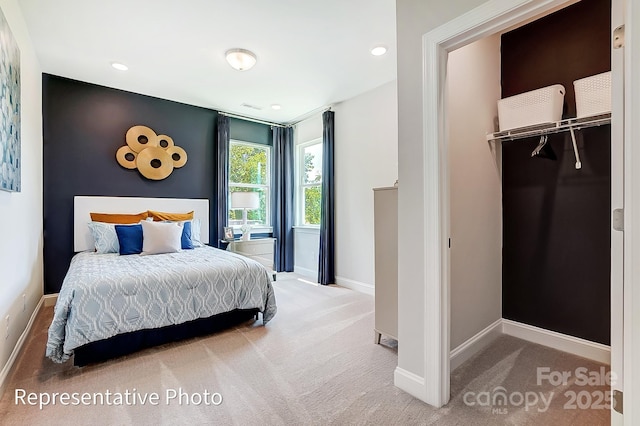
point(314, 364)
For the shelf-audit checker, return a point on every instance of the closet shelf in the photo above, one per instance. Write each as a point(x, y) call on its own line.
point(569, 124)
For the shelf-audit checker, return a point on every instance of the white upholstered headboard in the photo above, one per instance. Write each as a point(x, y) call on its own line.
point(82, 206)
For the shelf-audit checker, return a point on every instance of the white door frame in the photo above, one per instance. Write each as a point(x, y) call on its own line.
point(489, 18)
point(632, 214)
point(617, 202)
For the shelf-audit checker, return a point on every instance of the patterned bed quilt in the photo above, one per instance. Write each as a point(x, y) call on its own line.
point(107, 294)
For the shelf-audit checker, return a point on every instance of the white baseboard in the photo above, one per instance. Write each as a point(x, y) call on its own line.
point(310, 273)
point(475, 344)
point(356, 285)
point(4, 374)
point(410, 383)
point(573, 345)
point(50, 299)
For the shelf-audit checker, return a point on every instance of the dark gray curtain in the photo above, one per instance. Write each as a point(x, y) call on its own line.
point(222, 141)
point(283, 214)
point(326, 267)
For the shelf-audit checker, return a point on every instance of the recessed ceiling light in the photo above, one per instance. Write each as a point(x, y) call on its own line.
point(240, 59)
point(378, 51)
point(276, 106)
point(119, 66)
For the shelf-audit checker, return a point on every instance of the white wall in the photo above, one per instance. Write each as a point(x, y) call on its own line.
point(308, 130)
point(21, 213)
point(475, 193)
point(413, 19)
point(366, 156)
point(306, 247)
point(366, 132)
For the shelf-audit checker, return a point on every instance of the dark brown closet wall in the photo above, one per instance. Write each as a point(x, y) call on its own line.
point(556, 235)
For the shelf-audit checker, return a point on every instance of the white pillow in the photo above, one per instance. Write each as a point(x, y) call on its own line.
point(159, 237)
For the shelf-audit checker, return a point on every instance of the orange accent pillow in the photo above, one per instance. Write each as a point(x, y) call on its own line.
point(123, 219)
point(159, 216)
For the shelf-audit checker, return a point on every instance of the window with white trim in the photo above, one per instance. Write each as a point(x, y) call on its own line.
point(309, 183)
point(250, 171)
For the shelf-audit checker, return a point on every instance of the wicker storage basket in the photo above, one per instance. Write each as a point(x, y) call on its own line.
point(593, 95)
point(530, 108)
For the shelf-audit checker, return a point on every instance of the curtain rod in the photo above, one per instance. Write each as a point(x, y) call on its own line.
point(308, 115)
point(242, 117)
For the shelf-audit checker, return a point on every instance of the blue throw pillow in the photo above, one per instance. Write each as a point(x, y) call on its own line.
point(185, 241)
point(130, 238)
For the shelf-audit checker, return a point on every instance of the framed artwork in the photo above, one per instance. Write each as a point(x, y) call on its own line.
point(10, 156)
point(228, 233)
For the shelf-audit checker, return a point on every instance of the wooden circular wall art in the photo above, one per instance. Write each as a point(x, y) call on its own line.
point(154, 156)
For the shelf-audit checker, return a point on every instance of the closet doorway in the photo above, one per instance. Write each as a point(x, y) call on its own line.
point(492, 18)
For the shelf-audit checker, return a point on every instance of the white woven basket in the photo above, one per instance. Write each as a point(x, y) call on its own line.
point(530, 108)
point(593, 95)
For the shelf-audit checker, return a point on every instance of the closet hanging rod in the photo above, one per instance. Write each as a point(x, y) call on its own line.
point(550, 128)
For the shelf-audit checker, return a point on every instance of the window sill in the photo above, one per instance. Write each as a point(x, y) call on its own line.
point(309, 229)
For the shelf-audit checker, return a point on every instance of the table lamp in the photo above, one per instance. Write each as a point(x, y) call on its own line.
point(245, 201)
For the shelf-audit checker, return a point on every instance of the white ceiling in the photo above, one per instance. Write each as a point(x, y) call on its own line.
point(310, 53)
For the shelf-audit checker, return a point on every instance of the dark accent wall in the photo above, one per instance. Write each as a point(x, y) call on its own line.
point(558, 49)
point(556, 236)
point(84, 125)
point(247, 131)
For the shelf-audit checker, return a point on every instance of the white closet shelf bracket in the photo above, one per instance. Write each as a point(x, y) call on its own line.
point(575, 149)
point(569, 124)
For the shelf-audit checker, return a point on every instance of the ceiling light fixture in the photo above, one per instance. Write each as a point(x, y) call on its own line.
point(276, 107)
point(119, 66)
point(240, 59)
point(378, 51)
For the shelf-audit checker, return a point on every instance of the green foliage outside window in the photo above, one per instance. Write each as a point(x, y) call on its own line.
point(312, 198)
point(312, 194)
point(248, 165)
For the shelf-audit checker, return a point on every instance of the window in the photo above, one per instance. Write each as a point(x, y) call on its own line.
point(250, 171)
point(309, 182)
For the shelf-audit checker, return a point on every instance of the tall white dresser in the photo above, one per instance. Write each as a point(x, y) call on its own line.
point(385, 210)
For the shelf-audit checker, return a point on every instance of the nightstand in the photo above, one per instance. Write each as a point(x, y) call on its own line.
point(260, 249)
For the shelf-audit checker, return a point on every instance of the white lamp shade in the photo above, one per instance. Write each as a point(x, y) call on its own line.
point(240, 59)
point(245, 200)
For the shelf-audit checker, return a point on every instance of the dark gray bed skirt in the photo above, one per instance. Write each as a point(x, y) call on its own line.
point(127, 343)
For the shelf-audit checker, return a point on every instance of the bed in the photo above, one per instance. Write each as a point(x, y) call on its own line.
point(112, 304)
